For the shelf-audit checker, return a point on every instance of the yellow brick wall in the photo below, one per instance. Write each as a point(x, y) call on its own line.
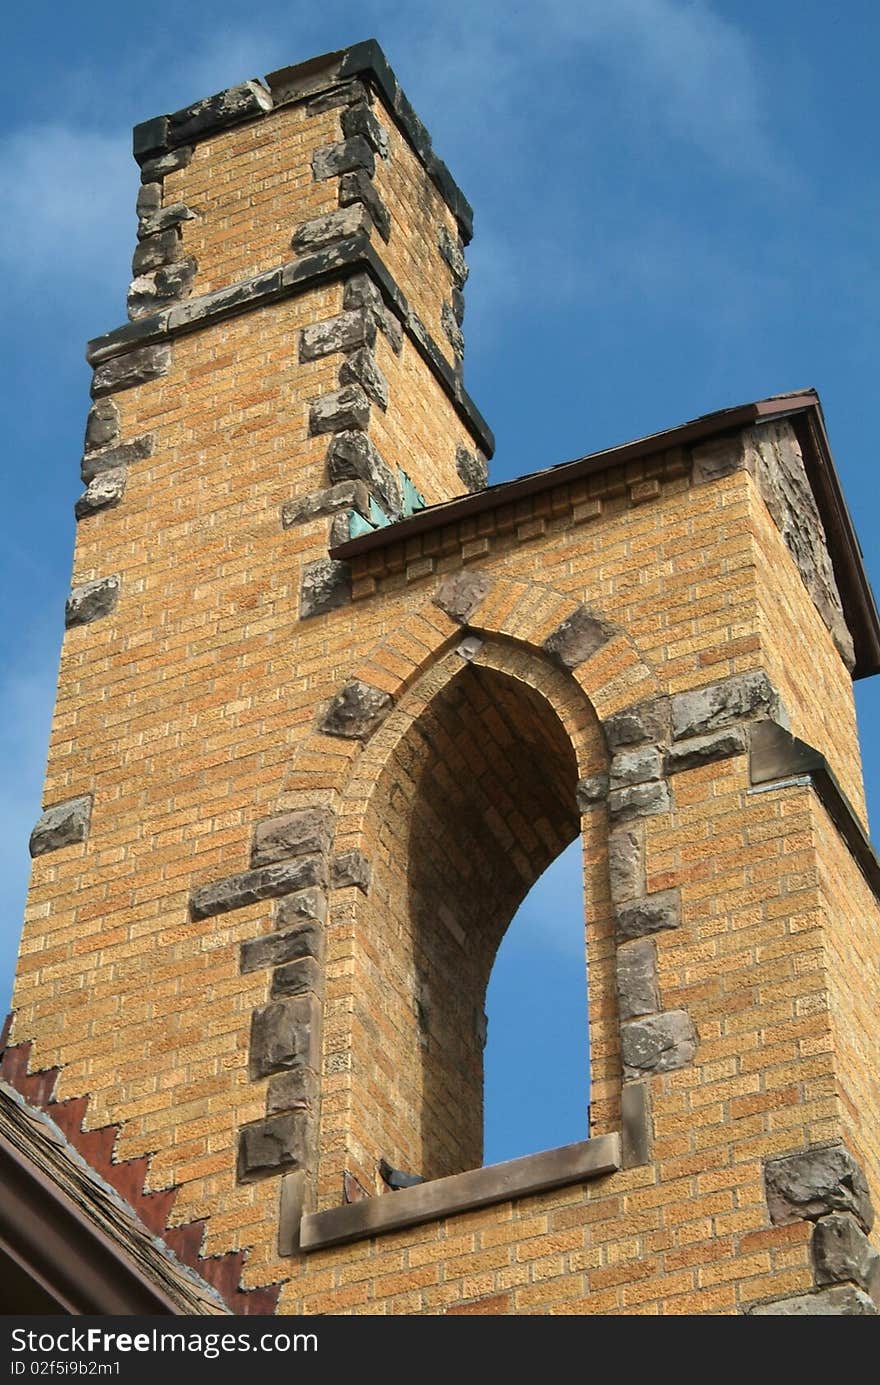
point(250, 188)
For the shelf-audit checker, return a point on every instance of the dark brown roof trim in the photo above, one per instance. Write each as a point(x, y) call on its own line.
point(805, 410)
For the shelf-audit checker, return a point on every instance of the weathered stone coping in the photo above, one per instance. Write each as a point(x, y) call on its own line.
point(296, 276)
point(462, 1192)
point(301, 82)
point(778, 756)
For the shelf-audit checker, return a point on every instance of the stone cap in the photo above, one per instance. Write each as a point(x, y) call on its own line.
point(300, 82)
point(804, 411)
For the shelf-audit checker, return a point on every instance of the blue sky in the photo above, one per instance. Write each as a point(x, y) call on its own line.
point(676, 210)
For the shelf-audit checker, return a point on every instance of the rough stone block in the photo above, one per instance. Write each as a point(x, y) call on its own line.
point(358, 187)
point(811, 1184)
point(652, 914)
point(646, 721)
point(274, 1144)
point(355, 711)
point(230, 107)
point(359, 120)
point(841, 1251)
point(626, 863)
point(296, 1090)
point(702, 750)
point(305, 832)
point(591, 792)
point(579, 637)
point(303, 906)
point(451, 329)
point(360, 368)
point(301, 977)
point(61, 825)
point(345, 332)
point(841, 1301)
point(344, 157)
point(105, 491)
point(472, 467)
point(305, 939)
point(352, 456)
point(718, 458)
point(149, 198)
point(163, 219)
point(452, 250)
point(460, 593)
point(92, 601)
point(350, 868)
point(638, 800)
point(343, 409)
point(159, 167)
point(284, 1034)
point(744, 696)
point(155, 251)
point(640, 765)
point(658, 1043)
point(326, 584)
point(102, 425)
point(353, 220)
point(131, 368)
point(267, 882)
point(347, 495)
point(112, 458)
point(637, 992)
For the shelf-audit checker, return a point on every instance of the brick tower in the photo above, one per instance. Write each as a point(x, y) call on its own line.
point(329, 705)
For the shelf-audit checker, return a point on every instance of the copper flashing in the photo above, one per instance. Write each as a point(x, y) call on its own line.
point(805, 410)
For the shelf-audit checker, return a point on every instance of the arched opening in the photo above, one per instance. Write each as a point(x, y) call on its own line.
point(537, 1059)
point(477, 797)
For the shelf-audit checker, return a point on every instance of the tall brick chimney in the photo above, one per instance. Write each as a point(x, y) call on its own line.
point(328, 707)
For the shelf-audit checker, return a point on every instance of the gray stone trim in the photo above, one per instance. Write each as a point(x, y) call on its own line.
point(267, 882)
point(658, 1043)
point(825, 1185)
point(119, 455)
point(452, 330)
point(703, 750)
point(303, 906)
point(343, 157)
point(325, 585)
point(303, 832)
point(653, 913)
point(637, 992)
point(134, 368)
point(92, 601)
point(170, 284)
point(355, 712)
point(840, 1301)
point(591, 792)
point(637, 765)
point(305, 940)
point(204, 118)
point(360, 368)
point(61, 825)
point(814, 1182)
point(644, 721)
point(155, 252)
point(158, 168)
point(350, 868)
point(472, 467)
point(635, 1126)
point(284, 1035)
point(275, 1144)
point(341, 411)
point(102, 425)
point(461, 1192)
point(350, 220)
point(163, 219)
point(578, 638)
point(358, 119)
point(460, 593)
point(346, 332)
point(345, 495)
point(352, 456)
point(639, 800)
point(104, 492)
point(353, 257)
point(452, 250)
point(358, 187)
point(745, 696)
